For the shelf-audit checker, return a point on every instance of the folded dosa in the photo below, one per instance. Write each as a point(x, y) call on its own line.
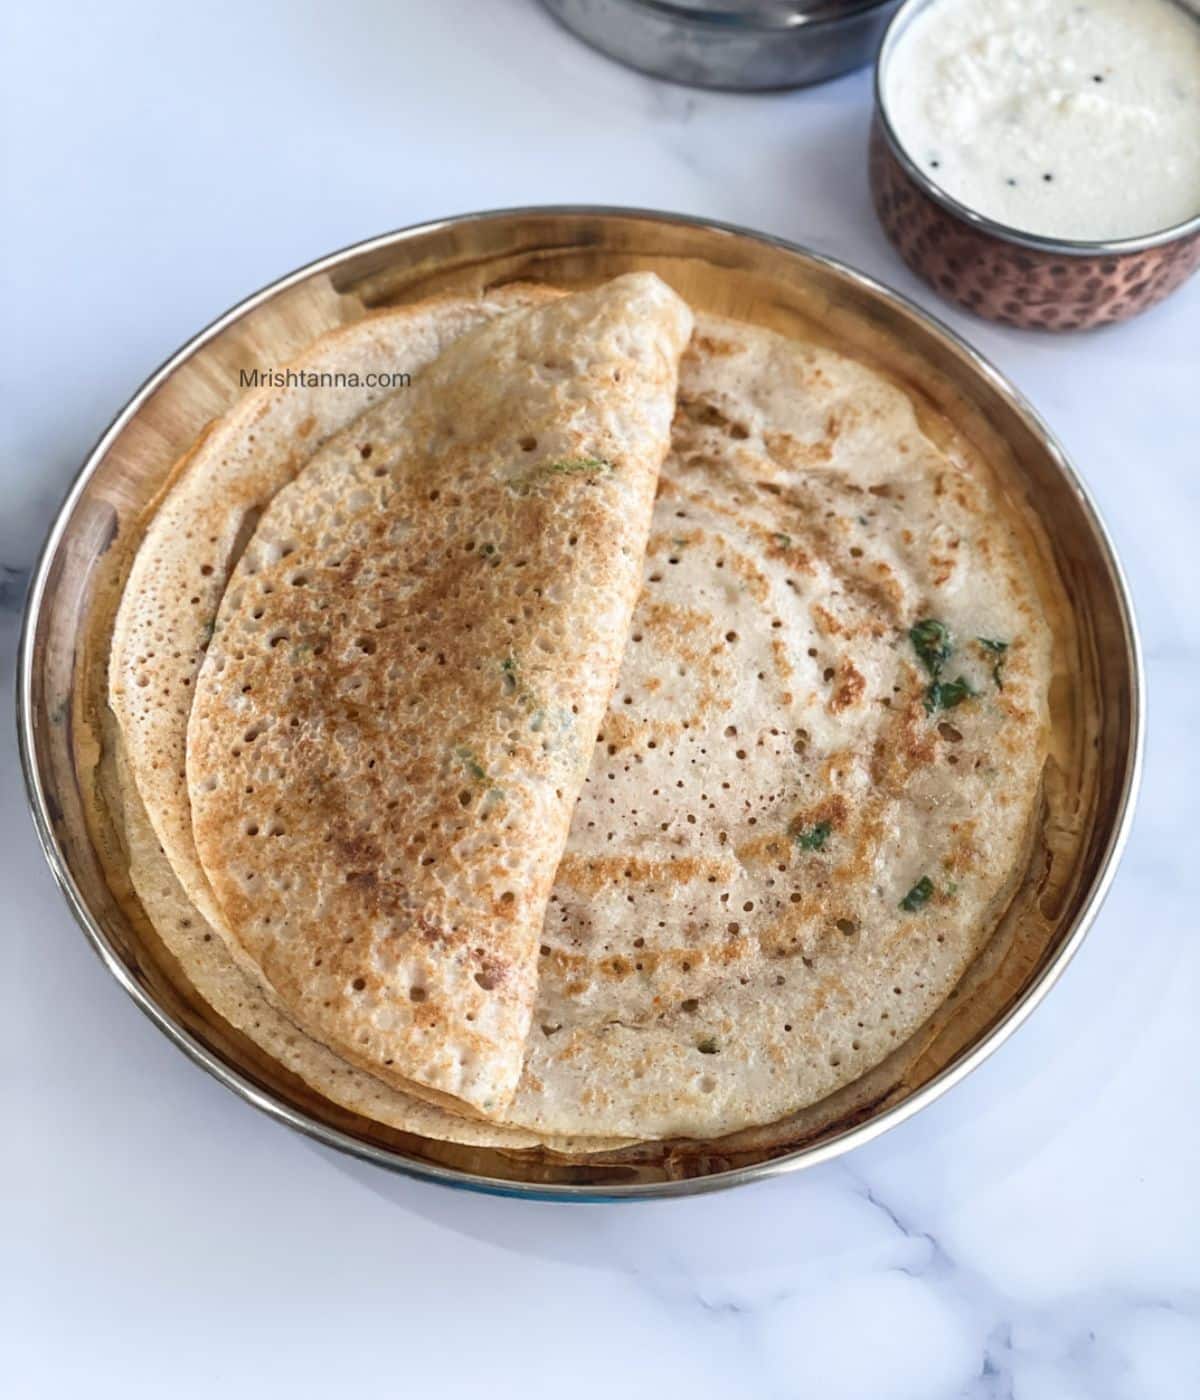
point(724, 952)
point(399, 703)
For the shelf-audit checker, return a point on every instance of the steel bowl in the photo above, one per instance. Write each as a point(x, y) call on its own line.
point(1097, 714)
point(739, 45)
point(1003, 273)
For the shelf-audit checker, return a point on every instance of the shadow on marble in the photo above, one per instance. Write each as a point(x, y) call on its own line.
point(752, 1230)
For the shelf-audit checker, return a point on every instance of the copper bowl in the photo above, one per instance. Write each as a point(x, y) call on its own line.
point(1003, 273)
point(1098, 711)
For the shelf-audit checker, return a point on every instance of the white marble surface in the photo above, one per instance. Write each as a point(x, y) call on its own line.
point(1034, 1235)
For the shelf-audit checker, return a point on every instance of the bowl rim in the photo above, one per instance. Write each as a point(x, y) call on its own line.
point(395, 1160)
point(785, 18)
point(1006, 233)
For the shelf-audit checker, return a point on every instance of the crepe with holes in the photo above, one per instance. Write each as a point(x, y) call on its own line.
point(241, 1001)
point(398, 707)
point(179, 574)
point(813, 790)
point(197, 534)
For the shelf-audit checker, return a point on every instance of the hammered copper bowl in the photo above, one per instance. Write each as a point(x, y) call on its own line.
point(719, 269)
point(1001, 273)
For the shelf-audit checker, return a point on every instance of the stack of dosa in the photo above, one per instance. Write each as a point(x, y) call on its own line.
point(374, 802)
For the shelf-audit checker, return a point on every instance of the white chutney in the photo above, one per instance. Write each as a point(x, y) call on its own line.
point(1073, 119)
